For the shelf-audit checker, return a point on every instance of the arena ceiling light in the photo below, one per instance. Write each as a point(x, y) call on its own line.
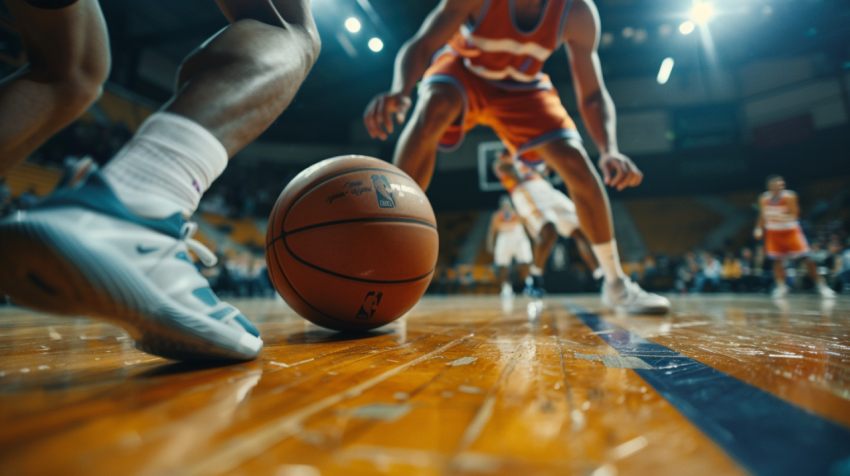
point(702, 12)
point(666, 69)
point(352, 24)
point(687, 28)
point(376, 45)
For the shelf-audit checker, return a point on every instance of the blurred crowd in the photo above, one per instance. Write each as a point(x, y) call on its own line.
point(748, 269)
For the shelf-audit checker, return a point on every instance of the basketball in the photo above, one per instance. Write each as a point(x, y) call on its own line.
point(352, 243)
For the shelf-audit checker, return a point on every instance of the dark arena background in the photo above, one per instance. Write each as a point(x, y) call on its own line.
point(712, 98)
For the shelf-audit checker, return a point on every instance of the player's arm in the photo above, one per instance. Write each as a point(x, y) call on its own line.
point(411, 62)
point(758, 232)
point(793, 204)
point(581, 37)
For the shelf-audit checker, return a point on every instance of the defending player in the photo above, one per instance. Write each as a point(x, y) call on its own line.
point(546, 212)
point(488, 70)
point(511, 243)
point(115, 245)
point(779, 225)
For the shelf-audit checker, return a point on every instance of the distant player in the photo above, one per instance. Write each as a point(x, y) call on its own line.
point(546, 212)
point(511, 243)
point(480, 63)
point(779, 225)
point(115, 243)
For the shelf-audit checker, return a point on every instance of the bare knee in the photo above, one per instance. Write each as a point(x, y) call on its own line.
point(441, 104)
point(77, 93)
point(77, 83)
point(548, 234)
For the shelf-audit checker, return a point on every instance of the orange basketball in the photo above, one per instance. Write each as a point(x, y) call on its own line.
point(352, 243)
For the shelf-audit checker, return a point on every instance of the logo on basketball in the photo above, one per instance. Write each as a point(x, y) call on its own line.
point(370, 305)
point(383, 191)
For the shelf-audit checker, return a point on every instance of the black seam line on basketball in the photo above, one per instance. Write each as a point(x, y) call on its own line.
point(325, 180)
point(362, 220)
point(353, 220)
point(277, 260)
point(362, 280)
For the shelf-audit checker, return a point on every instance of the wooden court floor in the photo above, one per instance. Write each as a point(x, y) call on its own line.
point(724, 385)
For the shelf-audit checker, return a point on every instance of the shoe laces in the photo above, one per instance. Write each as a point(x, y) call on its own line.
point(202, 252)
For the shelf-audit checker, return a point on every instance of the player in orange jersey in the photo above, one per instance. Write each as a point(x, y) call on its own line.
point(546, 213)
point(511, 243)
point(482, 63)
point(779, 225)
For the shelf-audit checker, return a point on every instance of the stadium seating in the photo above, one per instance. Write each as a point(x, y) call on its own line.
point(672, 225)
point(24, 176)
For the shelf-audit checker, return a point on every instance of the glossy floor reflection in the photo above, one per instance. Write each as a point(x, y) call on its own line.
point(462, 385)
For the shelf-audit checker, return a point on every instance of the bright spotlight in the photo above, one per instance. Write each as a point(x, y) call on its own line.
point(666, 69)
point(687, 28)
point(376, 45)
point(702, 12)
point(352, 25)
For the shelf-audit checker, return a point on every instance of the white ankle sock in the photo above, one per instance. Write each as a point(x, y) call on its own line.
point(166, 167)
point(609, 260)
point(535, 271)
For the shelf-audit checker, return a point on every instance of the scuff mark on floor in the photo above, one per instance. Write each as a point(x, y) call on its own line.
point(468, 389)
point(590, 357)
point(388, 412)
point(462, 361)
point(623, 362)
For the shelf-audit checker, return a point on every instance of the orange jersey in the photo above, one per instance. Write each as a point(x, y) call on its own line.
point(495, 48)
point(505, 221)
point(777, 213)
point(497, 68)
point(523, 173)
point(783, 235)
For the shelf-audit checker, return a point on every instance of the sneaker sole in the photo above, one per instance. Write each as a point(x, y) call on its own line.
point(55, 271)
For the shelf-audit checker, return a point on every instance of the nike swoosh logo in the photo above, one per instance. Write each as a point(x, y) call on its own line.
point(144, 251)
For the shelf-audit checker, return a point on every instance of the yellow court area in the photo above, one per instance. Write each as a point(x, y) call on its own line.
point(461, 385)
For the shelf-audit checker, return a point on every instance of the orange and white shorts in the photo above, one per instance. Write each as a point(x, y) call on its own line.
point(524, 116)
point(786, 244)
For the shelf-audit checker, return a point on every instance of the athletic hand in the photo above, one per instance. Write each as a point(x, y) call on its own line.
point(379, 113)
point(758, 233)
point(619, 171)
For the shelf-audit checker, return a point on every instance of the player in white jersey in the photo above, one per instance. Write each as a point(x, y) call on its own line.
point(783, 236)
point(546, 212)
point(511, 243)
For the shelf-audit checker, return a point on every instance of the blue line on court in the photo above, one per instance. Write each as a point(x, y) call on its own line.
point(765, 434)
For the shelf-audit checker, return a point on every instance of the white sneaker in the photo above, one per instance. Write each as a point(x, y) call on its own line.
point(779, 292)
point(507, 290)
point(825, 291)
point(630, 297)
point(81, 252)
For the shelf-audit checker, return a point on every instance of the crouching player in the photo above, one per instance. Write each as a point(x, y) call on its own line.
point(546, 212)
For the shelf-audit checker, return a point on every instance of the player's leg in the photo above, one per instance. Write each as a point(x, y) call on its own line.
point(586, 253)
point(543, 247)
point(502, 259)
point(541, 250)
point(119, 240)
point(820, 283)
point(569, 159)
point(439, 105)
point(779, 276)
point(234, 86)
point(68, 52)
